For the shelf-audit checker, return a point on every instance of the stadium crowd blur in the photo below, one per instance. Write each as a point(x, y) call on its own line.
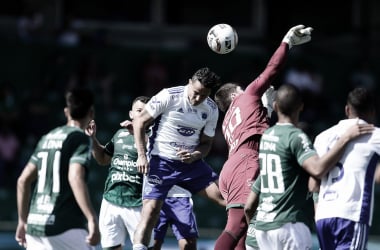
point(39, 60)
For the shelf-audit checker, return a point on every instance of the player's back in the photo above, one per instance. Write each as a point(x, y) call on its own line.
point(53, 207)
point(348, 187)
point(284, 195)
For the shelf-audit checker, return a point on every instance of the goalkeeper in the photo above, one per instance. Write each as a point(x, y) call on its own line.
point(245, 121)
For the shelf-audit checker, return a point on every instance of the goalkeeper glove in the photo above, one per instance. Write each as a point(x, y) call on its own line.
point(298, 35)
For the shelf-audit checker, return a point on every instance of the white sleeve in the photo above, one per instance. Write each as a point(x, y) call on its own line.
point(158, 103)
point(211, 124)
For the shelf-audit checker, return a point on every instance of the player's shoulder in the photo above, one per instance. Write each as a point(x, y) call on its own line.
point(122, 132)
point(331, 131)
point(211, 103)
point(175, 90)
point(168, 94)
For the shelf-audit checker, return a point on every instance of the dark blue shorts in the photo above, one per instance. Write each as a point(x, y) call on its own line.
point(177, 212)
point(165, 173)
point(339, 234)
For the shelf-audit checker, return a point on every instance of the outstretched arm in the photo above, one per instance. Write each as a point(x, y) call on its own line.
point(295, 36)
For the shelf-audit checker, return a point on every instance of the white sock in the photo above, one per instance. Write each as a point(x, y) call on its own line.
point(139, 247)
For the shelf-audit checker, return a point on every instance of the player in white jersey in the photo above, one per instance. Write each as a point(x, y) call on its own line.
point(346, 195)
point(185, 120)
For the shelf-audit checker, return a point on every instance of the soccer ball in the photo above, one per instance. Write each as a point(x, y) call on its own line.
point(222, 38)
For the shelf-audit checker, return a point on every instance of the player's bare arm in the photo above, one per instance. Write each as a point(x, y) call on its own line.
point(251, 206)
point(78, 185)
point(377, 173)
point(24, 183)
point(97, 148)
point(320, 166)
point(140, 124)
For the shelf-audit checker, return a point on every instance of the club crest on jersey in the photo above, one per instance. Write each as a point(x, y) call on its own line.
point(186, 131)
point(204, 116)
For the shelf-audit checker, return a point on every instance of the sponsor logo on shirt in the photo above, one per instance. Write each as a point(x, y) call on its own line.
point(181, 146)
point(186, 131)
point(127, 147)
point(154, 180)
point(123, 134)
point(125, 177)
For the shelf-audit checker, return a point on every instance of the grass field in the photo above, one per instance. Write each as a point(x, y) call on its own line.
point(7, 242)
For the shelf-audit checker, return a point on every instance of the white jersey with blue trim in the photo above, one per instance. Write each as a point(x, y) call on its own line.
point(347, 191)
point(178, 124)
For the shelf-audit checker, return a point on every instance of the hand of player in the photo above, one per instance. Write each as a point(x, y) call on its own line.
point(91, 129)
point(93, 237)
point(20, 234)
point(142, 164)
point(298, 35)
point(358, 130)
point(186, 156)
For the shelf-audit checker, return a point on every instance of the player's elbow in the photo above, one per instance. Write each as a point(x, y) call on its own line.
point(314, 167)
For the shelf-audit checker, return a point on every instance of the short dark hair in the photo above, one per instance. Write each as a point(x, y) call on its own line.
point(79, 101)
point(361, 100)
point(288, 99)
point(207, 78)
point(223, 95)
point(143, 99)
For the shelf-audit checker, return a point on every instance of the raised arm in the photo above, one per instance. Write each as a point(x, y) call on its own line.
point(97, 148)
point(295, 36)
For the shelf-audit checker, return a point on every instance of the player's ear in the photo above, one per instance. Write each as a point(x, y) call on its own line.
point(347, 110)
point(66, 112)
point(131, 114)
point(275, 108)
point(233, 95)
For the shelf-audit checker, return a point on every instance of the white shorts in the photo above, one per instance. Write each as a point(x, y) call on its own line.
point(289, 236)
point(68, 240)
point(116, 222)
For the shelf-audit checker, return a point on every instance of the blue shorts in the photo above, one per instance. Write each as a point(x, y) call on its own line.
point(165, 173)
point(177, 212)
point(339, 233)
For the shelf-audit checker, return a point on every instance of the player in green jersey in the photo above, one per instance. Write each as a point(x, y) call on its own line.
point(122, 199)
point(60, 214)
point(285, 212)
